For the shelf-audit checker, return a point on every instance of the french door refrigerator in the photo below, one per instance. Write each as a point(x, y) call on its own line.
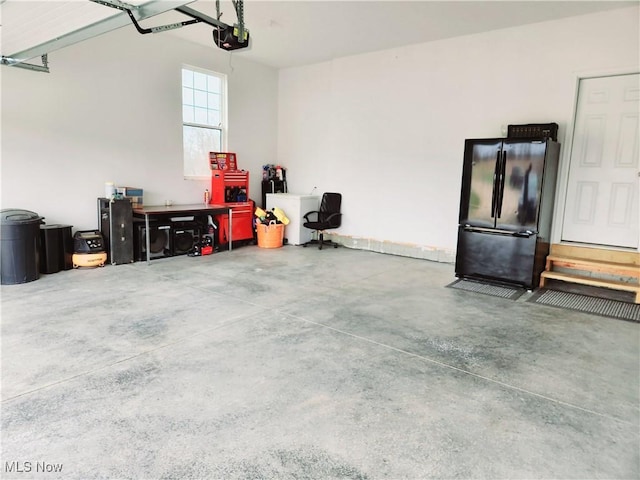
point(506, 208)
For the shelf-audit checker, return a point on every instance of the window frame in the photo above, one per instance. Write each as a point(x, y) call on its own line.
point(221, 127)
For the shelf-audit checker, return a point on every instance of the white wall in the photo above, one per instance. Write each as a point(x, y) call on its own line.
point(387, 129)
point(110, 110)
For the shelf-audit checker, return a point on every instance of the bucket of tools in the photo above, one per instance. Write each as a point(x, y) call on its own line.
point(271, 235)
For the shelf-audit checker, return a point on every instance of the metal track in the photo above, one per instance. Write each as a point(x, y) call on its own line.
point(148, 10)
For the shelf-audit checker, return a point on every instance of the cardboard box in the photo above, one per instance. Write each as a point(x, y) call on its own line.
point(132, 193)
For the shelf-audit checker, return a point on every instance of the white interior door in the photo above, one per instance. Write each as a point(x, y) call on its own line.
point(602, 192)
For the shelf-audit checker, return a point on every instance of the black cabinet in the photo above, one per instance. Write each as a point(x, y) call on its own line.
point(116, 226)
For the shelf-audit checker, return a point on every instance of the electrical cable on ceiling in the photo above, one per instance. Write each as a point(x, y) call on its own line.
point(225, 36)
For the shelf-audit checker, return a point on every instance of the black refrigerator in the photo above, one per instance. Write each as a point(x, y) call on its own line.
point(506, 208)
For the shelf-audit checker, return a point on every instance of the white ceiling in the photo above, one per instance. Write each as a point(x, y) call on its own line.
point(294, 33)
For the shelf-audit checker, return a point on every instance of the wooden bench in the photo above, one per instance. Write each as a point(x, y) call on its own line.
point(586, 261)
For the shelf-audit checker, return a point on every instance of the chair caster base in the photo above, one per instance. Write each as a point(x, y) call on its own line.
point(321, 244)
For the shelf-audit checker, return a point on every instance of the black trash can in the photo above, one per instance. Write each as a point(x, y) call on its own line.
point(56, 248)
point(19, 246)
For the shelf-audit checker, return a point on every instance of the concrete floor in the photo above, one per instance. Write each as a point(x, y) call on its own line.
point(299, 363)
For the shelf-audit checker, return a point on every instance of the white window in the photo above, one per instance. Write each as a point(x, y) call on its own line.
point(204, 102)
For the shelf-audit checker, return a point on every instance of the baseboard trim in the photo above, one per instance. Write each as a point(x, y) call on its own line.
point(411, 250)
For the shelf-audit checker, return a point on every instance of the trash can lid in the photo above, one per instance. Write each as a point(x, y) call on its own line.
point(55, 226)
point(16, 216)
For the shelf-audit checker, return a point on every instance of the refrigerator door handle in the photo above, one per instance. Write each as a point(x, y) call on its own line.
point(496, 175)
point(501, 185)
point(498, 231)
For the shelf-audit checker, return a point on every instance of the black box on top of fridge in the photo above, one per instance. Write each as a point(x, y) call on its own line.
point(506, 209)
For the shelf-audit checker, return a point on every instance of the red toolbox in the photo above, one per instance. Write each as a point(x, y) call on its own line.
point(229, 186)
point(222, 161)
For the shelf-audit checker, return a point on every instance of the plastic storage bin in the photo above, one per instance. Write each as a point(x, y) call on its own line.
point(270, 236)
point(56, 248)
point(19, 246)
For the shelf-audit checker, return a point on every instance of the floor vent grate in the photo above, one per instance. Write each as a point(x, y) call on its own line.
point(503, 291)
point(588, 304)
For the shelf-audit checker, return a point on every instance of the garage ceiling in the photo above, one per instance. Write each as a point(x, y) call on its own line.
point(294, 33)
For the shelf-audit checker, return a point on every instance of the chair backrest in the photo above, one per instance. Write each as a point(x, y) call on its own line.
point(330, 204)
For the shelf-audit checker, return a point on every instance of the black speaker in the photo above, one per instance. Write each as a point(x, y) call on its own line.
point(56, 248)
point(159, 241)
point(116, 226)
point(184, 237)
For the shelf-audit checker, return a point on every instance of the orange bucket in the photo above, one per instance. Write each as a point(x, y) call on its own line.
point(270, 236)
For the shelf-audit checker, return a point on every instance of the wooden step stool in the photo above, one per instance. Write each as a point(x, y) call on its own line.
point(586, 260)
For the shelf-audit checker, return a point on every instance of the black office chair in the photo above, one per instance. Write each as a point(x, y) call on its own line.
point(328, 217)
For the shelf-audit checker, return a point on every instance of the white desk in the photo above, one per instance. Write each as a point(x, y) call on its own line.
point(294, 207)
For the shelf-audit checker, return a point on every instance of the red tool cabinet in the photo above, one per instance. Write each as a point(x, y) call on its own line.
point(242, 224)
point(231, 188)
